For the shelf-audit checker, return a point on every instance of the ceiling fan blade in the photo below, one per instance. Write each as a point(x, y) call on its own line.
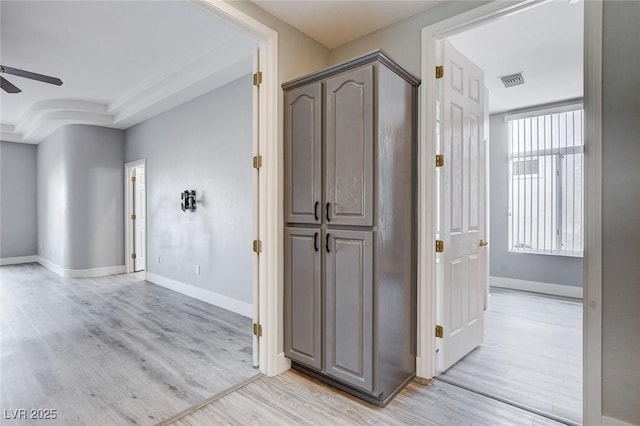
point(31, 75)
point(7, 86)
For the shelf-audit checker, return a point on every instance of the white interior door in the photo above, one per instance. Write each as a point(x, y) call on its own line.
point(460, 272)
point(139, 224)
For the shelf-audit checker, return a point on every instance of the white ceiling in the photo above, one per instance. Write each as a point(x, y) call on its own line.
point(121, 62)
point(335, 22)
point(544, 43)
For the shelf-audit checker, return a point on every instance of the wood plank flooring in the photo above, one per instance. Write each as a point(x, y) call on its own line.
point(295, 399)
point(531, 355)
point(113, 350)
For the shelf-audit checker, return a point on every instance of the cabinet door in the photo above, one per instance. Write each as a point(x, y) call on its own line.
point(349, 148)
point(302, 337)
point(349, 298)
point(303, 151)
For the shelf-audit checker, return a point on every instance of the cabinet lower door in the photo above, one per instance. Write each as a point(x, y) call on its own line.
point(302, 296)
point(349, 309)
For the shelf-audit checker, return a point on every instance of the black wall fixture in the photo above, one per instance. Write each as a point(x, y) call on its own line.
point(188, 200)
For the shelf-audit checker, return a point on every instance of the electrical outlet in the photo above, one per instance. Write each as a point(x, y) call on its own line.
point(197, 269)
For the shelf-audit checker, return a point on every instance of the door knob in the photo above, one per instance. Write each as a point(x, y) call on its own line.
point(483, 243)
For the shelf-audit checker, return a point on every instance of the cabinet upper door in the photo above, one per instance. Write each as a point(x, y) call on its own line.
point(349, 148)
point(349, 307)
point(303, 154)
point(302, 337)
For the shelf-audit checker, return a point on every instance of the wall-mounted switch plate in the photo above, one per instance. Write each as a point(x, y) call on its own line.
point(158, 260)
point(197, 269)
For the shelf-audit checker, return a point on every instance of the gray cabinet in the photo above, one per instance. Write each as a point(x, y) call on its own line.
point(350, 252)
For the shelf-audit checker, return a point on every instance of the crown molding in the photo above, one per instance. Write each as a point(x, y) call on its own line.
point(8, 134)
point(153, 96)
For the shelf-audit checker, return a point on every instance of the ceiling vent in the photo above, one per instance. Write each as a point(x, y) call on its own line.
point(512, 80)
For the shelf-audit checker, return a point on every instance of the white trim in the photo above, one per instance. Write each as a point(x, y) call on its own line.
point(255, 261)
point(270, 184)
point(213, 298)
point(537, 287)
point(592, 335)
point(18, 260)
point(592, 263)
point(81, 273)
point(128, 225)
point(610, 421)
point(283, 362)
point(51, 266)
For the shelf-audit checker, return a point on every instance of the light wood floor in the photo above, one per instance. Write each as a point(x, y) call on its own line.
point(295, 399)
point(531, 355)
point(113, 350)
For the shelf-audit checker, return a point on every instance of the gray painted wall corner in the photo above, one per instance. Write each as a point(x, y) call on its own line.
point(621, 211)
point(80, 197)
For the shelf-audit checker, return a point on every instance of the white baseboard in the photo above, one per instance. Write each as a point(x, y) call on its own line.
point(283, 364)
point(18, 260)
point(222, 301)
point(537, 287)
point(80, 273)
point(610, 421)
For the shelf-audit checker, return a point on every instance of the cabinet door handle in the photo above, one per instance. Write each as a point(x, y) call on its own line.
point(327, 211)
point(315, 210)
point(326, 243)
point(315, 241)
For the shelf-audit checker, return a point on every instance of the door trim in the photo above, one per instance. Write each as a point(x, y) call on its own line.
point(270, 183)
point(128, 209)
point(592, 279)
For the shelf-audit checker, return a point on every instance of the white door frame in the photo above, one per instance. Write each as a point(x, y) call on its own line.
point(592, 280)
point(129, 237)
point(270, 184)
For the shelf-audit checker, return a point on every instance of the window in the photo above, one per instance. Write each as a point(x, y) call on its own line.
point(546, 183)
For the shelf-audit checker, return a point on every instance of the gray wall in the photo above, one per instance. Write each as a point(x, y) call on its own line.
point(621, 211)
point(531, 267)
point(80, 197)
point(206, 145)
point(403, 40)
point(18, 220)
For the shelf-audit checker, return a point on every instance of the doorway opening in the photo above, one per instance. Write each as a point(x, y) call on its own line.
point(135, 216)
point(449, 223)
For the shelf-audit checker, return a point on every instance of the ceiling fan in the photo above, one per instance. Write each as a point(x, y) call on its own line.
point(9, 87)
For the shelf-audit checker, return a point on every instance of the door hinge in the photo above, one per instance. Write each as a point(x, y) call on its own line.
point(439, 71)
point(133, 178)
point(257, 161)
point(257, 78)
point(133, 255)
point(439, 246)
point(257, 330)
point(133, 217)
point(439, 331)
point(439, 160)
point(257, 246)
